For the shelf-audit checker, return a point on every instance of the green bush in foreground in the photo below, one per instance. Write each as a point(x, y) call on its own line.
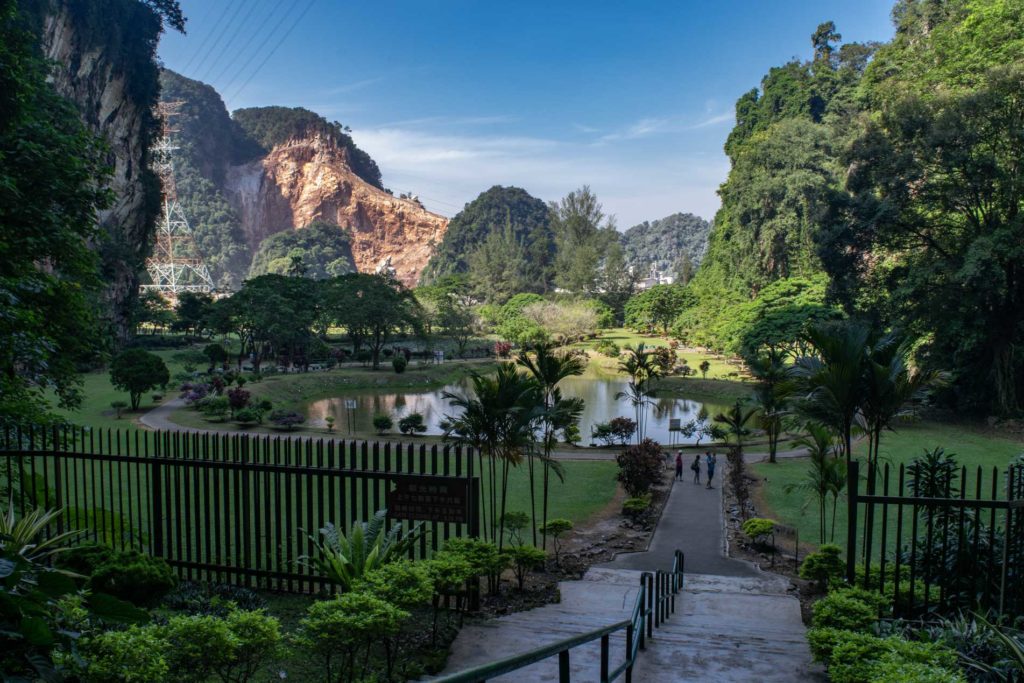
point(758, 528)
point(136, 655)
point(132, 576)
point(405, 584)
point(849, 609)
point(825, 566)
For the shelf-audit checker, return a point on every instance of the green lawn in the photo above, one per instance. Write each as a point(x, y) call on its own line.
point(972, 445)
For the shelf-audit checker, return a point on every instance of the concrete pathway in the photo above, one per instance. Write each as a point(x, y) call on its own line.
point(732, 621)
point(691, 521)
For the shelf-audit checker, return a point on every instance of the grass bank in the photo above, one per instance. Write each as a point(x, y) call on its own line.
point(974, 445)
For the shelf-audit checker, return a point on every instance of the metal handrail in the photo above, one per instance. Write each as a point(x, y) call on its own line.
point(655, 601)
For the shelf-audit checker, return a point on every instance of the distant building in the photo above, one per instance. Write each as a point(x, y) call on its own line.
point(655, 277)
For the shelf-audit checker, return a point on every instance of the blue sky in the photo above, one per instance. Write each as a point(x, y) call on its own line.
point(451, 97)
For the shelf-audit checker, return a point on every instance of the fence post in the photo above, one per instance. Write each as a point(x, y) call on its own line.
point(156, 505)
point(852, 481)
point(629, 653)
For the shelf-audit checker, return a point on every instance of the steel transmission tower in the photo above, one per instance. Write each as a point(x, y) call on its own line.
point(176, 265)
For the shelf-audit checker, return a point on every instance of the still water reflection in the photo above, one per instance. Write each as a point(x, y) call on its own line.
point(597, 393)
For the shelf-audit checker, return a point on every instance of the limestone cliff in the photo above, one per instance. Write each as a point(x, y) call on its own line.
point(310, 179)
point(264, 170)
point(102, 51)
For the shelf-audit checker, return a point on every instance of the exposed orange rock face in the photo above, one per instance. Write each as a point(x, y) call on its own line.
point(310, 179)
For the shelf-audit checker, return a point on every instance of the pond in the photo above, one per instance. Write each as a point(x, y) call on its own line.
point(598, 394)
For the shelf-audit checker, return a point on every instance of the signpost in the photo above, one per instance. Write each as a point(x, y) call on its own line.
point(350, 407)
point(431, 499)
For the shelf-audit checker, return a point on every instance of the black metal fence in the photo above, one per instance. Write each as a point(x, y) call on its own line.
point(938, 541)
point(233, 508)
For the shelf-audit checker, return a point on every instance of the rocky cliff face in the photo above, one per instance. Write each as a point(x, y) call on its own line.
point(309, 179)
point(113, 80)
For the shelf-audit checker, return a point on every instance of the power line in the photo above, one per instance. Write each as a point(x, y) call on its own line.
point(255, 53)
point(210, 60)
point(206, 39)
point(275, 49)
point(247, 42)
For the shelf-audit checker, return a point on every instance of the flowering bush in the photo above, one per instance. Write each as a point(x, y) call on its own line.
point(502, 349)
point(238, 399)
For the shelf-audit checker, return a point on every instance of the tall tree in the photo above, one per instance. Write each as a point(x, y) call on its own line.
point(498, 268)
point(937, 201)
point(773, 392)
point(583, 235)
point(548, 368)
point(51, 172)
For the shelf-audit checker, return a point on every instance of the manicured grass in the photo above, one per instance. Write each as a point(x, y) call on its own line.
point(98, 394)
point(972, 445)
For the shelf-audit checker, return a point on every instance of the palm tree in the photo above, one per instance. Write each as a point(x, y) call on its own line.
point(826, 475)
point(832, 377)
point(735, 422)
point(497, 421)
point(891, 389)
point(548, 369)
point(642, 367)
point(772, 394)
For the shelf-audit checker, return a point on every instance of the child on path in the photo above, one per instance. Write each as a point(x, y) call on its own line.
point(679, 466)
point(696, 469)
point(712, 460)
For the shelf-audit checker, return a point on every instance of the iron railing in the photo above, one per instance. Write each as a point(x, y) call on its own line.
point(941, 544)
point(654, 604)
point(233, 508)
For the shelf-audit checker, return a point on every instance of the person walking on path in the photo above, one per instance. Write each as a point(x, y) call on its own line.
point(712, 460)
point(696, 469)
point(679, 466)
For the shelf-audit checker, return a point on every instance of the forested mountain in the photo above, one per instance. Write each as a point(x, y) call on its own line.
point(209, 142)
point(891, 170)
point(530, 226)
point(663, 243)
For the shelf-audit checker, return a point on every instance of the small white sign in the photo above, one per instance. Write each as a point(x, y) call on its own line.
point(351, 404)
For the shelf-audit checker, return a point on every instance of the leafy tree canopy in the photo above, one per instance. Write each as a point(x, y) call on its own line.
point(324, 250)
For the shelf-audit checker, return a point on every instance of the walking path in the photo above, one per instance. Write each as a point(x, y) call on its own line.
point(732, 621)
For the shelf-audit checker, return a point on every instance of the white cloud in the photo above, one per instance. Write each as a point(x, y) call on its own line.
point(446, 171)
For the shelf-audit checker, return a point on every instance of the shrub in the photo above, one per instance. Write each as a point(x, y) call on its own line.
point(758, 528)
point(215, 407)
point(898, 593)
point(635, 507)
point(891, 669)
point(84, 559)
point(238, 399)
point(483, 557)
point(866, 659)
point(286, 419)
point(132, 576)
point(513, 523)
point(246, 416)
point(196, 646)
point(258, 642)
point(341, 631)
point(555, 528)
point(502, 349)
point(571, 434)
point(608, 348)
point(135, 655)
point(382, 423)
point(843, 609)
point(404, 583)
point(399, 363)
point(622, 428)
point(825, 566)
point(412, 424)
point(524, 559)
point(218, 599)
point(641, 467)
point(449, 571)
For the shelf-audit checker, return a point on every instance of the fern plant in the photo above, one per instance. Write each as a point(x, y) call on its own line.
point(345, 559)
point(26, 536)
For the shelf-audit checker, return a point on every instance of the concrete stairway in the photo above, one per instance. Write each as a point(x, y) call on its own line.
point(724, 629)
